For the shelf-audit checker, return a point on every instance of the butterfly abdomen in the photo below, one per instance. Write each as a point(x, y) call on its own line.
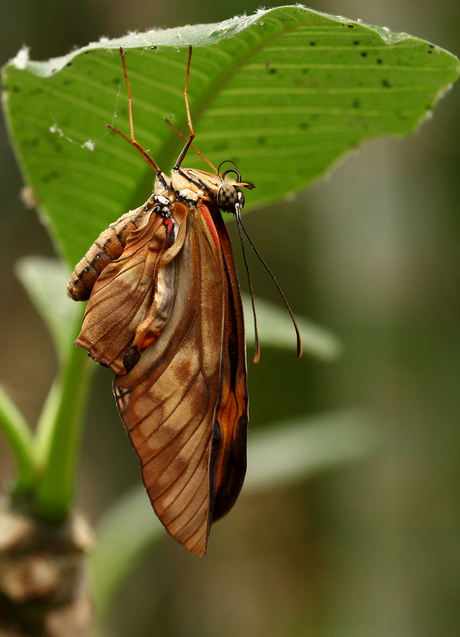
point(107, 247)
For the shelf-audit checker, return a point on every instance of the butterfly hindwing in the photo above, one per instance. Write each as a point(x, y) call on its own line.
point(173, 402)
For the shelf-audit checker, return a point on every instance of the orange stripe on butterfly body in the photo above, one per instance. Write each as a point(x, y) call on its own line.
point(209, 222)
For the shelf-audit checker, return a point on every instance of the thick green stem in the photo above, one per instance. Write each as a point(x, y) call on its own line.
point(59, 437)
point(19, 436)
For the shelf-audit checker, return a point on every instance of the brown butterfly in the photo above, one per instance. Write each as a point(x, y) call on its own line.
point(165, 314)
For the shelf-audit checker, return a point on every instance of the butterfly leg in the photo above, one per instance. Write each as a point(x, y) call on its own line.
point(133, 141)
point(189, 117)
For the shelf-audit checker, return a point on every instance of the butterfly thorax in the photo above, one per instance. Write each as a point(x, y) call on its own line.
point(192, 185)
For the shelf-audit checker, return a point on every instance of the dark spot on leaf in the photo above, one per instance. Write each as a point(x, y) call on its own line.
point(356, 42)
point(69, 64)
point(304, 126)
point(116, 80)
point(379, 61)
point(67, 82)
point(312, 43)
point(15, 89)
point(364, 54)
point(386, 84)
point(221, 146)
point(356, 104)
point(272, 71)
point(430, 51)
point(261, 141)
point(50, 176)
point(431, 46)
point(304, 71)
point(56, 145)
point(350, 26)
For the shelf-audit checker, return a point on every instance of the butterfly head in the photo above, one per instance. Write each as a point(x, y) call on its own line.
point(229, 194)
point(223, 188)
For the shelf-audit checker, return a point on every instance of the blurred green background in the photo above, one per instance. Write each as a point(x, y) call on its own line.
point(372, 252)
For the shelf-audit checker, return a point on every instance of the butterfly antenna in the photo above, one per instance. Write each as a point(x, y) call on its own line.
point(239, 224)
point(299, 339)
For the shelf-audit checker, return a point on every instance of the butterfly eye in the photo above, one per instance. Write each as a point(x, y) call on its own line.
point(228, 196)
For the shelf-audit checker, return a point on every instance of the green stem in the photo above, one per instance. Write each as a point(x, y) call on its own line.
point(59, 435)
point(19, 436)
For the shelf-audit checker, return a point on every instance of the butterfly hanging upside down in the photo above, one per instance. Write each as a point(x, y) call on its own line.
point(165, 314)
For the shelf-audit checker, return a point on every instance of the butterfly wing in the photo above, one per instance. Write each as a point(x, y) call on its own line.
point(184, 404)
point(228, 458)
point(107, 247)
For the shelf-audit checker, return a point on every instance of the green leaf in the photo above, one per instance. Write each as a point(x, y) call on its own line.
point(19, 436)
point(46, 282)
point(284, 93)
